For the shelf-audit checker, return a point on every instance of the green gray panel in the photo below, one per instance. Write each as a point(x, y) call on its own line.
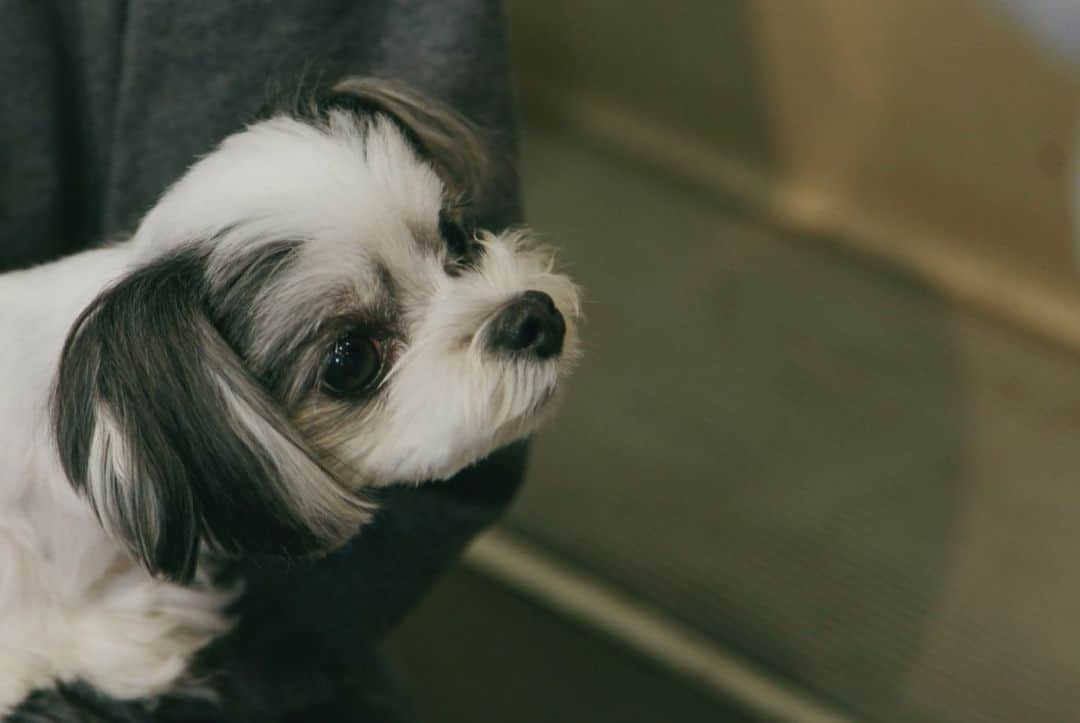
point(790, 450)
point(475, 652)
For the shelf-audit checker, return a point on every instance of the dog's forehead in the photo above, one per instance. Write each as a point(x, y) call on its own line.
point(349, 179)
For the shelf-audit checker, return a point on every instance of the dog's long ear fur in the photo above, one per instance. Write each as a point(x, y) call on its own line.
point(446, 139)
point(174, 443)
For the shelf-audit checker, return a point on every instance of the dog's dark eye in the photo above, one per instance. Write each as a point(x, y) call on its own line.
point(352, 364)
point(457, 241)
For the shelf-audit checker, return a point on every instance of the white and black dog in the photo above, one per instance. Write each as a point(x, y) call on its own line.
point(306, 313)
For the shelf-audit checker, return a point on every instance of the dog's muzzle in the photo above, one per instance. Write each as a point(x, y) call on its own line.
point(529, 325)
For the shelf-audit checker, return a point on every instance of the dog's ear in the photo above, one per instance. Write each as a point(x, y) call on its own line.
point(172, 440)
point(441, 135)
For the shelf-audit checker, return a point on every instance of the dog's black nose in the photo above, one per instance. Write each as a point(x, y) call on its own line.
point(530, 324)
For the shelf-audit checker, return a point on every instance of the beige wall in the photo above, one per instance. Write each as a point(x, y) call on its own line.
point(934, 134)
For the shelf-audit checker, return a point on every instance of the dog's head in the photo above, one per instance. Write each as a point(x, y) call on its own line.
point(312, 313)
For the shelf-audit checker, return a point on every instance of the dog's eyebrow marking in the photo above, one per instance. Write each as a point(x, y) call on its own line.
point(430, 238)
point(388, 290)
point(423, 237)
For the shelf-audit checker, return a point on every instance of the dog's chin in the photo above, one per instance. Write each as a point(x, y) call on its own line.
point(505, 433)
point(513, 430)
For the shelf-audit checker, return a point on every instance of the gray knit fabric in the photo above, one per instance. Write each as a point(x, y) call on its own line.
point(109, 101)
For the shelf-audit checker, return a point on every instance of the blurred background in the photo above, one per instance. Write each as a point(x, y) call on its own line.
point(820, 462)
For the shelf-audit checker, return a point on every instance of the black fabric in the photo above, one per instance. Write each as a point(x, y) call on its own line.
point(106, 103)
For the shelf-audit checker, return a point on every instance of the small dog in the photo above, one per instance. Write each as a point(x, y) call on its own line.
point(305, 314)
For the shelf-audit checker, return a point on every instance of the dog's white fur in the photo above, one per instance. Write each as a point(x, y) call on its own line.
point(74, 604)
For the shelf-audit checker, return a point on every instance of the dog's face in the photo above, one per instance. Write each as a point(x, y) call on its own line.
point(314, 314)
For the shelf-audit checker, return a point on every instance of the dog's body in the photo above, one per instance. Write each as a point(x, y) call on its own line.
point(300, 317)
point(73, 605)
